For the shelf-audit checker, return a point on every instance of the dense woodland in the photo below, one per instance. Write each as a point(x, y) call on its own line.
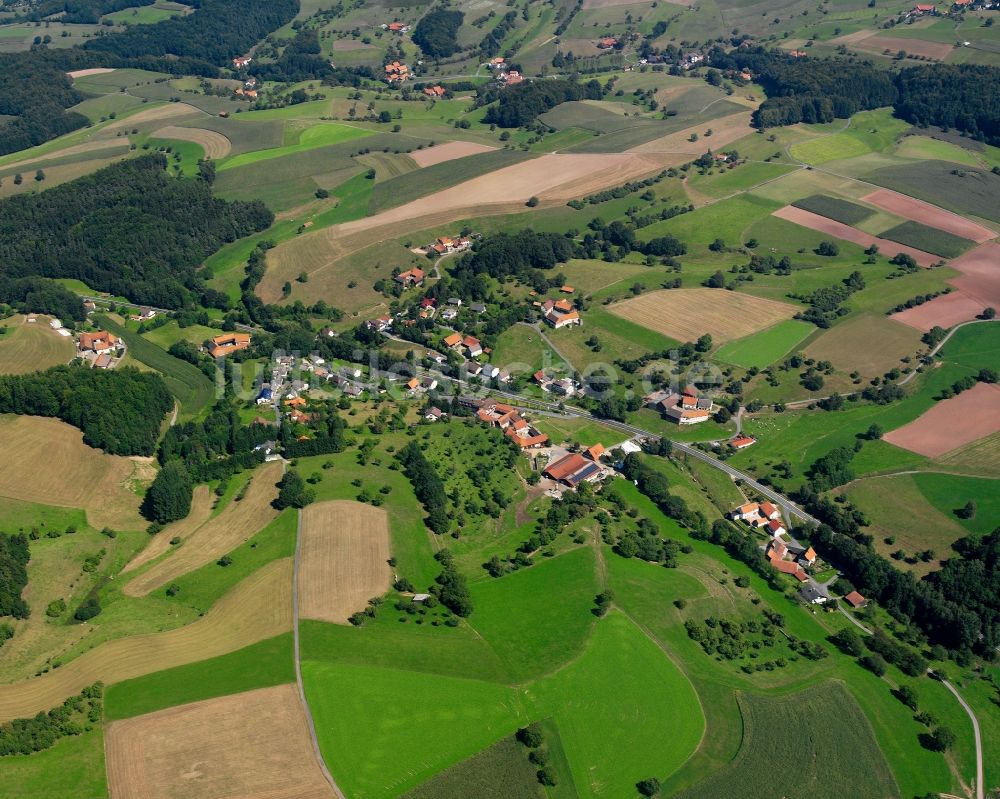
point(41, 295)
point(427, 485)
point(129, 229)
point(435, 33)
point(81, 12)
point(965, 97)
point(119, 411)
point(809, 89)
point(14, 557)
point(35, 94)
point(521, 104)
point(218, 31)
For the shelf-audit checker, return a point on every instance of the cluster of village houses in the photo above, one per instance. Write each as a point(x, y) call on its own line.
point(685, 408)
point(934, 10)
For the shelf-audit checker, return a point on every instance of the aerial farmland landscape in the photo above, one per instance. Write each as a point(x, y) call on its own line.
point(499, 399)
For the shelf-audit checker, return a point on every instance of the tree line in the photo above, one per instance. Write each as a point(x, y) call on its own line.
point(427, 485)
point(75, 716)
point(14, 557)
point(41, 295)
point(118, 410)
point(128, 229)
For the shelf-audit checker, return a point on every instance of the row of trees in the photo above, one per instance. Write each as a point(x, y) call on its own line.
point(75, 716)
point(428, 487)
point(14, 557)
point(128, 229)
point(119, 410)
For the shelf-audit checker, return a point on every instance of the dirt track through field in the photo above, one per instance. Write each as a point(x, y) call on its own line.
point(201, 509)
point(42, 460)
point(160, 112)
point(448, 152)
point(555, 177)
point(253, 745)
point(686, 314)
point(214, 144)
point(344, 559)
point(237, 522)
point(978, 287)
point(951, 423)
point(822, 224)
point(258, 608)
point(927, 214)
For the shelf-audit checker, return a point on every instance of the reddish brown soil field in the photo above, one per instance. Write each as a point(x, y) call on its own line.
point(952, 423)
point(978, 288)
point(448, 151)
point(841, 231)
point(946, 311)
point(927, 214)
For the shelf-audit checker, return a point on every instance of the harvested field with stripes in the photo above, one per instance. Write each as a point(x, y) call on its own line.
point(237, 522)
point(41, 460)
point(260, 607)
point(29, 347)
point(201, 509)
point(214, 144)
point(253, 745)
point(345, 550)
point(686, 314)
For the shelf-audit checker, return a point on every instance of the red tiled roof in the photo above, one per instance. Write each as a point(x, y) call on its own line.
point(566, 466)
point(854, 599)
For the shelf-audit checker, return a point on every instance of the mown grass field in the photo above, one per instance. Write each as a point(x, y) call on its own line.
point(764, 348)
point(899, 510)
point(949, 493)
point(834, 750)
point(30, 347)
point(73, 767)
point(186, 381)
point(261, 665)
point(870, 344)
point(312, 138)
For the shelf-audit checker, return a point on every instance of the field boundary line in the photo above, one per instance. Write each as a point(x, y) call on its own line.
point(298, 662)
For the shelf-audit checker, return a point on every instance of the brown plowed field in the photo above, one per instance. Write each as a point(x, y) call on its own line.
point(214, 144)
point(258, 608)
point(253, 745)
point(237, 522)
point(82, 73)
point(686, 314)
point(448, 152)
point(41, 460)
point(945, 311)
point(847, 233)
point(931, 215)
point(978, 288)
point(344, 559)
point(201, 509)
point(951, 423)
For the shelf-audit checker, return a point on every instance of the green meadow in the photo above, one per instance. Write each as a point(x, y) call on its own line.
point(764, 348)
